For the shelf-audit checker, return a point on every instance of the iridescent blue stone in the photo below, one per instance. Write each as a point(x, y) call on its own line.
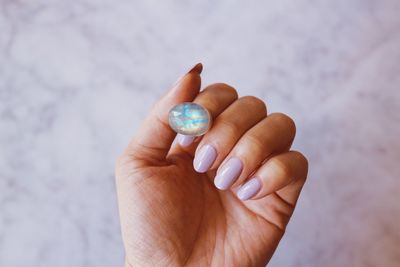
point(189, 119)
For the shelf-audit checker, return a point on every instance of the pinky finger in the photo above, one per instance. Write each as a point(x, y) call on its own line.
point(279, 172)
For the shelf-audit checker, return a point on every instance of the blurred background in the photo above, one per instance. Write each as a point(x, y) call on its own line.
point(77, 77)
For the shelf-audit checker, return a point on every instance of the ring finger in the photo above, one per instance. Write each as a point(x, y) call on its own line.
point(272, 135)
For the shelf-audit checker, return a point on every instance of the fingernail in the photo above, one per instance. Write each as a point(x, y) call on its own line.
point(198, 68)
point(249, 189)
point(204, 158)
point(185, 140)
point(228, 173)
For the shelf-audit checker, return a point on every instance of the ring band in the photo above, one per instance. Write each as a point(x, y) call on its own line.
point(189, 119)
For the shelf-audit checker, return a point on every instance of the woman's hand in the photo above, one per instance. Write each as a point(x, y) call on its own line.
point(221, 200)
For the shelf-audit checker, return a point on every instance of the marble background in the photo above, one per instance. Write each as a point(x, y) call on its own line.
point(76, 78)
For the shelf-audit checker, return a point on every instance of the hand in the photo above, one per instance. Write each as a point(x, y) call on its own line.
point(172, 213)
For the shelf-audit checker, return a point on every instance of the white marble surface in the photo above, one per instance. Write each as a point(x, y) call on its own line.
point(76, 77)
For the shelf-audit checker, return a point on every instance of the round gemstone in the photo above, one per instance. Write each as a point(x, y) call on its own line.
point(189, 119)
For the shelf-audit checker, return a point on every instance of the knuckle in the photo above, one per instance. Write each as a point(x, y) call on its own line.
point(226, 88)
point(230, 128)
point(280, 168)
point(255, 141)
point(252, 100)
point(285, 120)
point(255, 102)
point(302, 159)
point(210, 102)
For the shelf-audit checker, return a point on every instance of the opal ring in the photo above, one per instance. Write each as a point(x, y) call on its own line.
point(189, 119)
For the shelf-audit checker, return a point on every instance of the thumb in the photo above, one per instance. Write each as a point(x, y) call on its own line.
point(155, 136)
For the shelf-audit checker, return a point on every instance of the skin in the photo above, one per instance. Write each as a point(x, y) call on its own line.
point(172, 215)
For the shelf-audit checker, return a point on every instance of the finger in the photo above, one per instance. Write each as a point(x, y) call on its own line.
point(155, 136)
point(270, 136)
point(215, 98)
point(286, 172)
point(277, 207)
point(226, 131)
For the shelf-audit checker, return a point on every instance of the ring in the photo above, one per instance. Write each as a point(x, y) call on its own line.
point(189, 119)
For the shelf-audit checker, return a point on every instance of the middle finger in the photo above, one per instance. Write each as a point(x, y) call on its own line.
point(228, 128)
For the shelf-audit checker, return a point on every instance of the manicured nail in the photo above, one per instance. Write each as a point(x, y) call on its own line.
point(228, 173)
point(249, 189)
point(185, 140)
point(204, 158)
point(198, 68)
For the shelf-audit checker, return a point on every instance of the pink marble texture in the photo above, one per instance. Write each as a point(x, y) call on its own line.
point(77, 77)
